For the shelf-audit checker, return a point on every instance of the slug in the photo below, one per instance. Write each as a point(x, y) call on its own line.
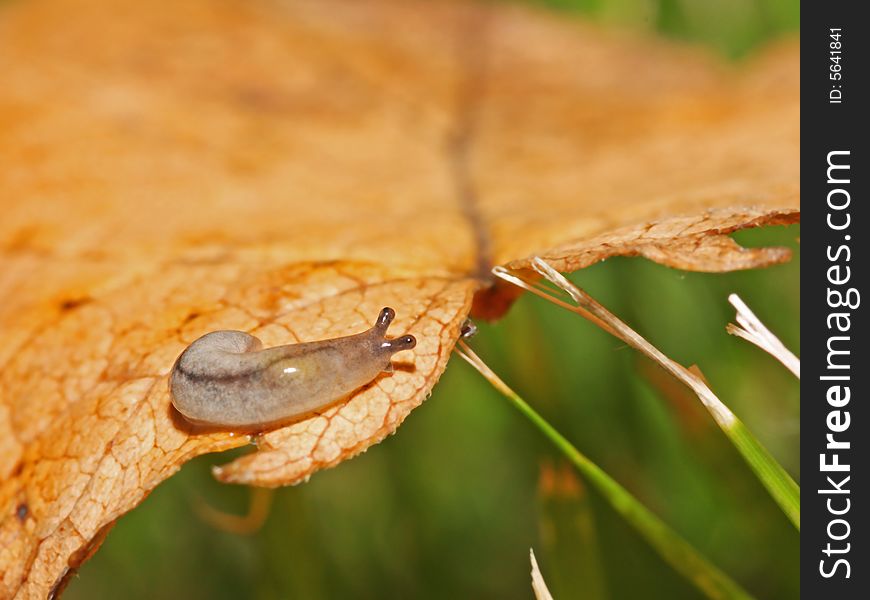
point(225, 379)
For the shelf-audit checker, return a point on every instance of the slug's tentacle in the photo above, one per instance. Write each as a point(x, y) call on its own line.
point(385, 317)
point(225, 378)
point(405, 342)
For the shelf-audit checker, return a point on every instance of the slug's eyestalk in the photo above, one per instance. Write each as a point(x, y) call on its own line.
point(385, 318)
point(405, 342)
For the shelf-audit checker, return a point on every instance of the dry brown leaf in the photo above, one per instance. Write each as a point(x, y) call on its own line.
point(288, 168)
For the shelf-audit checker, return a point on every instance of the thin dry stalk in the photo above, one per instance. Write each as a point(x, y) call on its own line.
point(538, 584)
point(586, 305)
point(258, 511)
point(750, 328)
point(772, 475)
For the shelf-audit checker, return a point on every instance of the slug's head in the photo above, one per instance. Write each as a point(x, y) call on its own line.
point(405, 342)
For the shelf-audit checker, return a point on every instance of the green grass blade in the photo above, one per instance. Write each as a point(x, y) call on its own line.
point(676, 551)
point(772, 475)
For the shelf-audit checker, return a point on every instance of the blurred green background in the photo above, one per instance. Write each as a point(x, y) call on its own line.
point(450, 505)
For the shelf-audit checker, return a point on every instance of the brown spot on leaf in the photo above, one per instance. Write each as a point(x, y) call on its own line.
point(494, 300)
point(190, 317)
point(73, 303)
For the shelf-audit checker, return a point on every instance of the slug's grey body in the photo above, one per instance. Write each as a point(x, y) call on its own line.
point(225, 379)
